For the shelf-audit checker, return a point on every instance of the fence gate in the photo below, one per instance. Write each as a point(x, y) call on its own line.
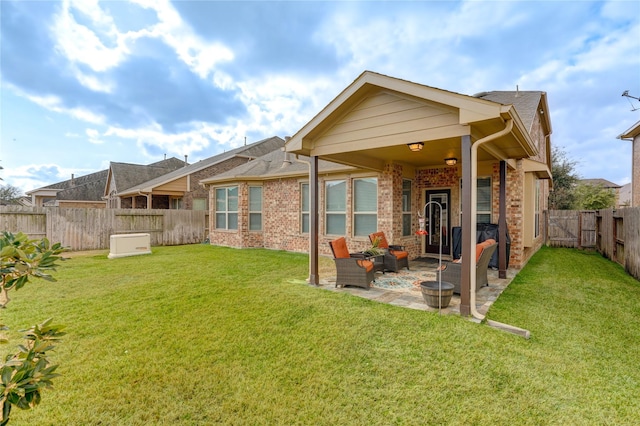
point(571, 228)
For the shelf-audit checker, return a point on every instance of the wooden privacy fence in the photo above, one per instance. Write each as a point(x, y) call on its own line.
point(91, 229)
point(571, 228)
point(614, 232)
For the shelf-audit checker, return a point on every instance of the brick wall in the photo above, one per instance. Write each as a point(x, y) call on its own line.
point(281, 225)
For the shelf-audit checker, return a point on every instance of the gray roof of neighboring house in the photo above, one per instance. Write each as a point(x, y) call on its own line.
point(275, 165)
point(75, 181)
point(85, 189)
point(525, 102)
point(127, 175)
point(251, 151)
point(600, 182)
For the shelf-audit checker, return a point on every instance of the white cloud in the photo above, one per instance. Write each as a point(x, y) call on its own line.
point(53, 103)
point(81, 44)
point(94, 136)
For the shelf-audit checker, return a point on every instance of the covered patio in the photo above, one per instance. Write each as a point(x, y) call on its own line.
point(404, 131)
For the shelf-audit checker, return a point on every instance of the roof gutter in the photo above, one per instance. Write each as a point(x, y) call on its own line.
point(474, 208)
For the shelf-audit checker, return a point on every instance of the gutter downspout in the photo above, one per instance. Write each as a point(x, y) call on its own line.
point(474, 210)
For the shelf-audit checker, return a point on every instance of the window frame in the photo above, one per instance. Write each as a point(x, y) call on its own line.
point(254, 213)
point(405, 213)
point(305, 213)
point(328, 212)
point(227, 212)
point(355, 214)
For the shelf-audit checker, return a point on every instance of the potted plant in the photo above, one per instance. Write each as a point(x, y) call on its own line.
point(375, 249)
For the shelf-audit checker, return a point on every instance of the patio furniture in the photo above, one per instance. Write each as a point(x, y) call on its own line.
point(452, 271)
point(354, 269)
point(395, 256)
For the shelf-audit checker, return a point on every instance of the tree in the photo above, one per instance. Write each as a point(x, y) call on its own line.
point(565, 178)
point(9, 194)
point(27, 372)
point(594, 197)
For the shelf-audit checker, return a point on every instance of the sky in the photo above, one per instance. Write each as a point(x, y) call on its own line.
point(87, 82)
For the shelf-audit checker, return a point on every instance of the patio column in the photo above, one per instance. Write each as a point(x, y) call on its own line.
point(502, 222)
point(465, 279)
point(314, 279)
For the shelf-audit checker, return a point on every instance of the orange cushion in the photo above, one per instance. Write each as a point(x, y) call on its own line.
point(366, 264)
point(340, 248)
point(383, 243)
point(480, 247)
point(399, 254)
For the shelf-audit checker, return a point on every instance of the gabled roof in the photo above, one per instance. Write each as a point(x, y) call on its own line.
point(376, 116)
point(250, 152)
point(86, 190)
point(631, 132)
point(75, 181)
point(275, 165)
point(526, 103)
point(126, 175)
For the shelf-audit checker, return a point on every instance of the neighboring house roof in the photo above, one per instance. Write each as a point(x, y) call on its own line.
point(250, 152)
point(125, 175)
point(527, 103)
point(73, 182)
point(600, 182)
point(624, 195)
point(88, 191)
point(275, 165)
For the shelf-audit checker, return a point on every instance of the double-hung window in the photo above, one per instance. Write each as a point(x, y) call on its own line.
point(335, 207)
point(227, 208)
point(406, 207)
point(304, 208)
point(483, 202)
point(365, 206)
point(255, 208)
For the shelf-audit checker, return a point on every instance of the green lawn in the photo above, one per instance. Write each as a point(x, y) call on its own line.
point(200, 335)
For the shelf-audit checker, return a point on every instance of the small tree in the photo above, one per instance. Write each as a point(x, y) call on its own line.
point(565, 178)
point(9, 194)
point(26, 373)
point(594, 197)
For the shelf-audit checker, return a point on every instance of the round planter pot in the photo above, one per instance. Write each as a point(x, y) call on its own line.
point(432, 295)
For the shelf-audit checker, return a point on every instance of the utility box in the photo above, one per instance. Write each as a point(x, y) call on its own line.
point(123, 245)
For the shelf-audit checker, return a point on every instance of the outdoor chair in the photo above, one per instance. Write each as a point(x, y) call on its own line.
point(452, 271)
point(351, 268)
point(395, 256)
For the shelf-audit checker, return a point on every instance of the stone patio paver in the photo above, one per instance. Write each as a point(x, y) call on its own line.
point(412, 298)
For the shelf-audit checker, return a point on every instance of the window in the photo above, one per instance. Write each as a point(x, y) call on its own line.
point(483, 205)
point(406, 207)
point(304, 208)
point(200, 204)
point(176, 203)
point(255, 208)
point(536, 219)
point(227, 208)
point(335, 207)
point(365, 206)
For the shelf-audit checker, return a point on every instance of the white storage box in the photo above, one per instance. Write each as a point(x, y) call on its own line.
point(129, 245)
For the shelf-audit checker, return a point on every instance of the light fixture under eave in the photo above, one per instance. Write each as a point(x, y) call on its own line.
point(415, 146)
point(452, 161)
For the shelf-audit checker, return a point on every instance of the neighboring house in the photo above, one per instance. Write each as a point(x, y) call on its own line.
point(83, 191)
point(625, 195)
point(122, 176)
point(613, 187)
point(633, 134)
point(180, 188)
point(401, 145)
